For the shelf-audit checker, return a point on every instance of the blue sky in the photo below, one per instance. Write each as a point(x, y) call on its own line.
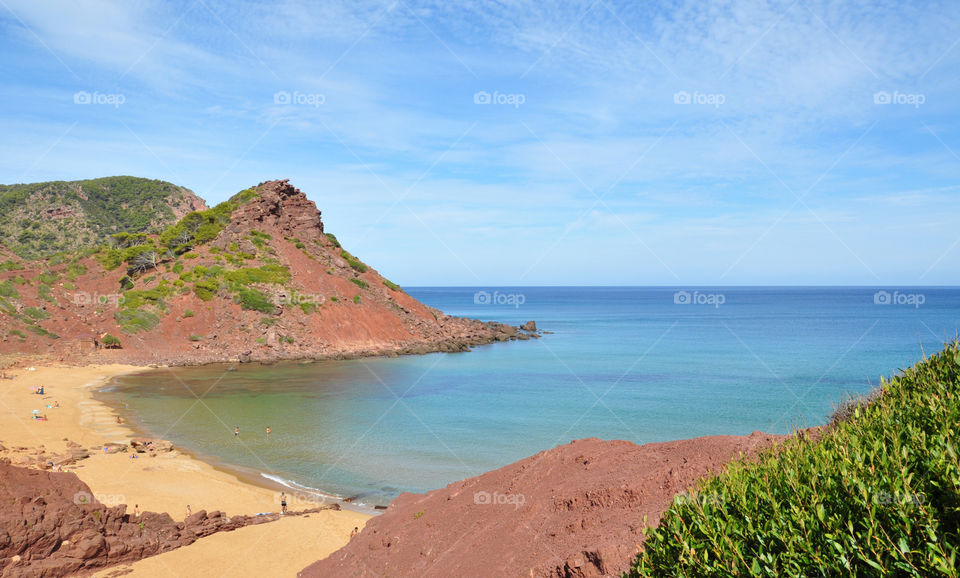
point(673, 143)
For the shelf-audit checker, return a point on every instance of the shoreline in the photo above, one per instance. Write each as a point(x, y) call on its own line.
point(243, 474)
point(167, 482)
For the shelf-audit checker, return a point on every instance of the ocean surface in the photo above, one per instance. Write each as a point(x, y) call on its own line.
point(640, 364)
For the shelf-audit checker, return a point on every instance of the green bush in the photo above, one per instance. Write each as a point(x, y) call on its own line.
point(271, 273)
point(134, 320)
point(333, 240)
point(42, 332)
point(206, 289)
point(392, 286)
point(359, 283)
point(17, 333)
point(188, 313)
point(355, 263)
point(155, 297)
point(877, 495)
point(254, 300)
point(195, 337)
point(356, 299)
point(35, 314)
point(110, 341)
point(8, 290)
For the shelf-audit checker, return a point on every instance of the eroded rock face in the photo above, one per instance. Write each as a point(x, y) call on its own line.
point(284, 207)
point(574, 511)
point(51, 525)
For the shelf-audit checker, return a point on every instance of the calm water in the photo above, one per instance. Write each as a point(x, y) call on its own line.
point(622, 363)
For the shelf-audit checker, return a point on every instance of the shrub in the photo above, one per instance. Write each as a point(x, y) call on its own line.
point(333, 240)
point(35, 314)
point(355, 263)
point(188, 313)
point(196, 337)
point(8, 290)
point(134, 320)
point(206, 289)
point(335, 299)
point(254, 300)
point(877, 495)
point(391, 285)
point(359, 283)
point(110, 341)
point(356, 299)
point(42, 332)
point(17, 333)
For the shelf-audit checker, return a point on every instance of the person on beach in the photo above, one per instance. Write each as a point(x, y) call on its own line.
point(119, 420)
point(189, 513)
point(283, 502)
point(268, 431)
point(355, 531)
point(236, 431)
point(136, 510)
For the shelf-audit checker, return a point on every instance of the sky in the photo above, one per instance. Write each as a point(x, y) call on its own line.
point(525, 143)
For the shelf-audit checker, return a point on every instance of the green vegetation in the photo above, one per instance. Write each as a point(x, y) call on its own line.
point(206, 289)
point(36, 314)
point(83, 213)
point(42, 332)
point(10, 266)
point(359, 283)
point(188, 313)
point(309, 308)
point(333, 240)
point(8, 290)
point(195, 337)
point(254, 300)
point(134, 320)
point(154, 297)
point(74, 270)
point(357, 299)
point(391, 285)
point(269, 321)
point(335, 299)
point(353, 261)
point(271, 273)
point(47, 278)
point(17, 333)
point(878, 495)
point(110, 341)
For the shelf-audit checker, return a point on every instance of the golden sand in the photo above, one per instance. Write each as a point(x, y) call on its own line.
point(166, 483)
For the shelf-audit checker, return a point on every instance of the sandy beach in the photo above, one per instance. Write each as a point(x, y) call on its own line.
point(166, 483)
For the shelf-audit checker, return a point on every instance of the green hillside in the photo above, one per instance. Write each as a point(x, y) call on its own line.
point(878, 495)
point(41, 219)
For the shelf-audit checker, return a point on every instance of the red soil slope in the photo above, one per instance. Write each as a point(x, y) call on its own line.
point(575, 510)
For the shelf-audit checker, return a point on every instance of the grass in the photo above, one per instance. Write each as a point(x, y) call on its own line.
point(391, 285)
point(357, 299)
point(878, 495)
point(195, 337)
point(42, 332)
point(188, 313)
point(17, 333)
point(359, 283)
point(7, 289)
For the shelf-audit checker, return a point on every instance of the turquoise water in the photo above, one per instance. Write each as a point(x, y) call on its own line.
point(621, 363)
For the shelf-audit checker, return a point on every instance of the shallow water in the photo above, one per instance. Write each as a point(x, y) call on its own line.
point(622, 363)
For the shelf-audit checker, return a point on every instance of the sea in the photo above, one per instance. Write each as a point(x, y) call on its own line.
point(644, 364)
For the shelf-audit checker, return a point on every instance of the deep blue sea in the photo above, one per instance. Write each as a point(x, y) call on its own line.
point(640, 364)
